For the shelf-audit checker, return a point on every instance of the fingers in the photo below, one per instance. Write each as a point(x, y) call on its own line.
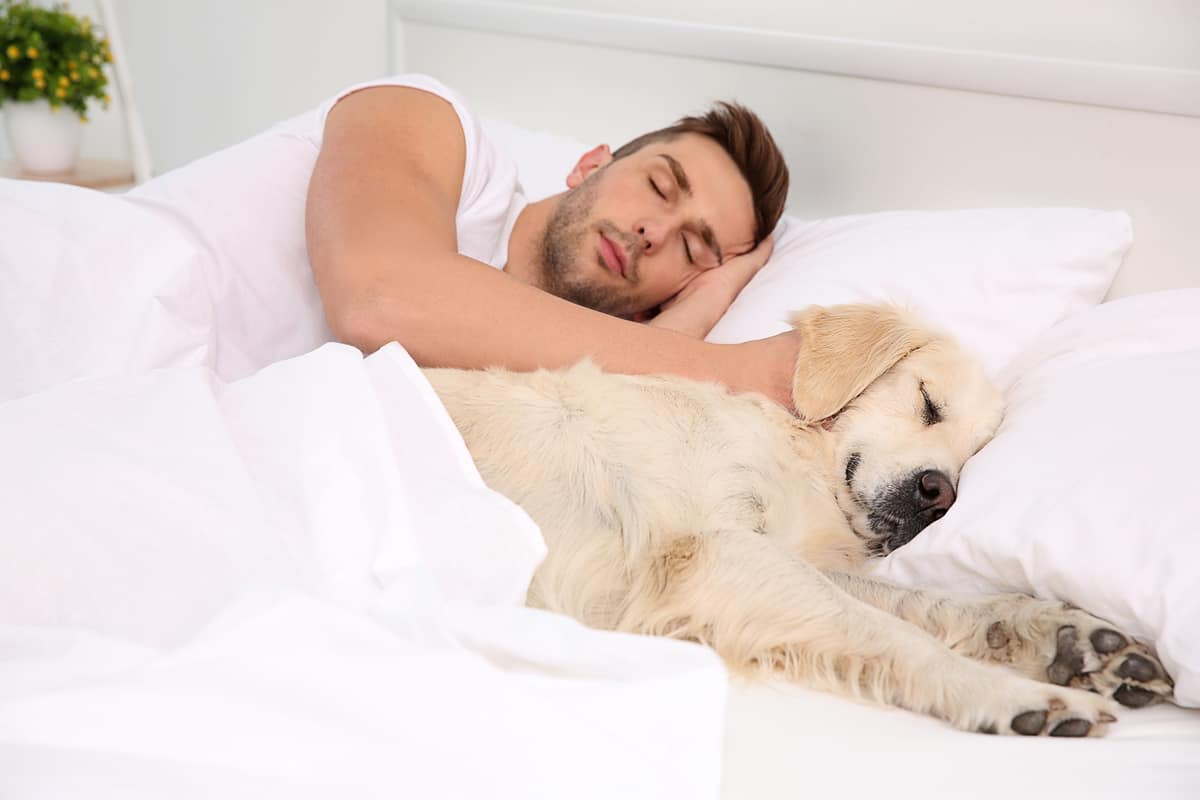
point(754, 260)
point(736, 272)
point(766, 247)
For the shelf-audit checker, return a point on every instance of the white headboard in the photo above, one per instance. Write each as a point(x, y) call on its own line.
point(865, 126)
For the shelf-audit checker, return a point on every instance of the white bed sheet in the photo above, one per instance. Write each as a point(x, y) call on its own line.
point(299, 580)
point(787, 742)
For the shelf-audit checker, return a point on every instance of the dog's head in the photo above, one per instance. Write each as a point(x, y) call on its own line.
point(905, 408)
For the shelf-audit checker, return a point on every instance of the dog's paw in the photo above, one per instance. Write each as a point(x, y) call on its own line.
point(1108, 662)
point(1069, 647)
point(1028, 708)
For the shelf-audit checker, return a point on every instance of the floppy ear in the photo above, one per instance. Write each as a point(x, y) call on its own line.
point(843, 349)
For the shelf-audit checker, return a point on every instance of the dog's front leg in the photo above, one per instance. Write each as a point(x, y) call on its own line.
point(1043, 639)
point(765, 611)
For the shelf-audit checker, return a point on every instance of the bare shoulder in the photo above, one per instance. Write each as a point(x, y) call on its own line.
point(400, 130)
point(381, 204)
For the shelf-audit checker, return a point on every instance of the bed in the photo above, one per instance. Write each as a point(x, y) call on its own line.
point(355, 634)
point(869, 127)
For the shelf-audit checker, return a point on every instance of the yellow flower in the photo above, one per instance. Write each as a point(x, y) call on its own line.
point(83, 118)
point(72, 65)
point(38, 73)
point(92, 72)
point(39, 84)
point(14, 52)
point(61, 93)
point(74, 75)
point(63, 81)
point(32, 52)
point(108, 56)
point(4, 75)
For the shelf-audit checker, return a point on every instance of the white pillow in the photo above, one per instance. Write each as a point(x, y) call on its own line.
point(994, 278)
point(543, 159)
point(1088, 492)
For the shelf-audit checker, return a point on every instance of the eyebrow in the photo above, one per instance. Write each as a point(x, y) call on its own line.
point(706, 231)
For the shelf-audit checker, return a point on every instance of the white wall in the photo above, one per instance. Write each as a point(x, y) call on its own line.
point(1164, 33)
point(208, 73)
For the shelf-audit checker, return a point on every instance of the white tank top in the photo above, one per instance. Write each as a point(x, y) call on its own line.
point(491, 195)
point(244, 208)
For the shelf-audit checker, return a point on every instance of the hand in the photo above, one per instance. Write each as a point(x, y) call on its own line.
point(696, 309)
point(767, 366)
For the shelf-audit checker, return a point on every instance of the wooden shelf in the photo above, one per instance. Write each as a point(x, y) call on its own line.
point(93, 173)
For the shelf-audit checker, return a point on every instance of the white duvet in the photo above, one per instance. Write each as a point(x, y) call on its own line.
point(292, 584)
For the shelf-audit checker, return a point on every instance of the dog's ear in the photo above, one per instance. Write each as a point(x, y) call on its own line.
point(843, 349)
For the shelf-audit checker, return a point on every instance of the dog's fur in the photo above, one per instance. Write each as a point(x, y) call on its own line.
point(672, 507)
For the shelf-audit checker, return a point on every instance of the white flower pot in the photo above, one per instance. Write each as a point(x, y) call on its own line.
point(44, 141)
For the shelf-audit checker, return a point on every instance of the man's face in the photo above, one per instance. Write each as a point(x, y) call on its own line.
point(631, 233)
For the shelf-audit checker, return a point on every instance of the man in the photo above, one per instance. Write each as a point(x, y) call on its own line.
point(669, 221)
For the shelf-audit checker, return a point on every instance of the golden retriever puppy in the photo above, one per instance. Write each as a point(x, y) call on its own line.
point(672, 507)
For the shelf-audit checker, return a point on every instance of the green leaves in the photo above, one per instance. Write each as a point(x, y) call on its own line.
point(50, 53)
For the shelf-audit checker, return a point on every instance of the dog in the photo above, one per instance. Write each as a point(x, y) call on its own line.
point(675, 508)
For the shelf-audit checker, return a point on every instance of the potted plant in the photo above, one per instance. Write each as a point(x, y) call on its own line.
point(51, 65)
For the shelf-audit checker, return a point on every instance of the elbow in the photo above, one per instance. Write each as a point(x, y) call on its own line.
point(360, 326)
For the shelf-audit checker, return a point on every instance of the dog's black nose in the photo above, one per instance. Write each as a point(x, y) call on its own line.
point(913, 502)
point(934, 494)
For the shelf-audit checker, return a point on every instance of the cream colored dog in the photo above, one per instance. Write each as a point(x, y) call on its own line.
point(672, 507)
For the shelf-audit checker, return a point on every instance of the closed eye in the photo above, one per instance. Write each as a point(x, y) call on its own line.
point(931, 414)
point(688, 250)
point(657, 190)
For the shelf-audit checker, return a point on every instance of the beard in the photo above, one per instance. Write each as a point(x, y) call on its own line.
point(564, 270)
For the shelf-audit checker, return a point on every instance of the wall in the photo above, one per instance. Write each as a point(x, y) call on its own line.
point(208, 73)
point(1163, 33)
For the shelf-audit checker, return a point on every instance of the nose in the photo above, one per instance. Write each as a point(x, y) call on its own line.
point(651, 234)
point(934, 494)
point(914, 502)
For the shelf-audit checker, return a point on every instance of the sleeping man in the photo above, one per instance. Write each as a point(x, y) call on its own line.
point(412, 214)
point(387, 214)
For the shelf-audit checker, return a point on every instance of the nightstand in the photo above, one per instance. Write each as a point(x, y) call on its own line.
point(93, 173)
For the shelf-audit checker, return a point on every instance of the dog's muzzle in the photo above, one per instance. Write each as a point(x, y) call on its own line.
point(906, 509)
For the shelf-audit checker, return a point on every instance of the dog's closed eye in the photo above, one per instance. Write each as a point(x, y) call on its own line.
point(931, 414)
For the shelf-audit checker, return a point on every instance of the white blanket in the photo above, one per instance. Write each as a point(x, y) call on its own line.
point(293, 584)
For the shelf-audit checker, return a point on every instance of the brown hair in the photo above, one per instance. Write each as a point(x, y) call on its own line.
point(746, 139)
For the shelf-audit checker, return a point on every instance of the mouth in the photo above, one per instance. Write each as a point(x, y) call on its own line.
point(884, 531)
point(613, 256)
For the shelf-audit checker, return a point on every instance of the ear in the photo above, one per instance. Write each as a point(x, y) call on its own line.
point(843, 349)
point(588, 163)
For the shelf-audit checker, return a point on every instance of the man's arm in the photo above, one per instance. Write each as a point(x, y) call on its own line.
point(381, 239)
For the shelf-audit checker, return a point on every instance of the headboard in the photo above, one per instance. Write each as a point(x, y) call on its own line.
point(866, 126)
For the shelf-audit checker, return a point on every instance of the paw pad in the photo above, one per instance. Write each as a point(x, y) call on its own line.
point(1107, 641)
point(1072, 727)
point(1030, 723)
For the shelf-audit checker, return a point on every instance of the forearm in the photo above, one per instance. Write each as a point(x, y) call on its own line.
point(457, 312)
